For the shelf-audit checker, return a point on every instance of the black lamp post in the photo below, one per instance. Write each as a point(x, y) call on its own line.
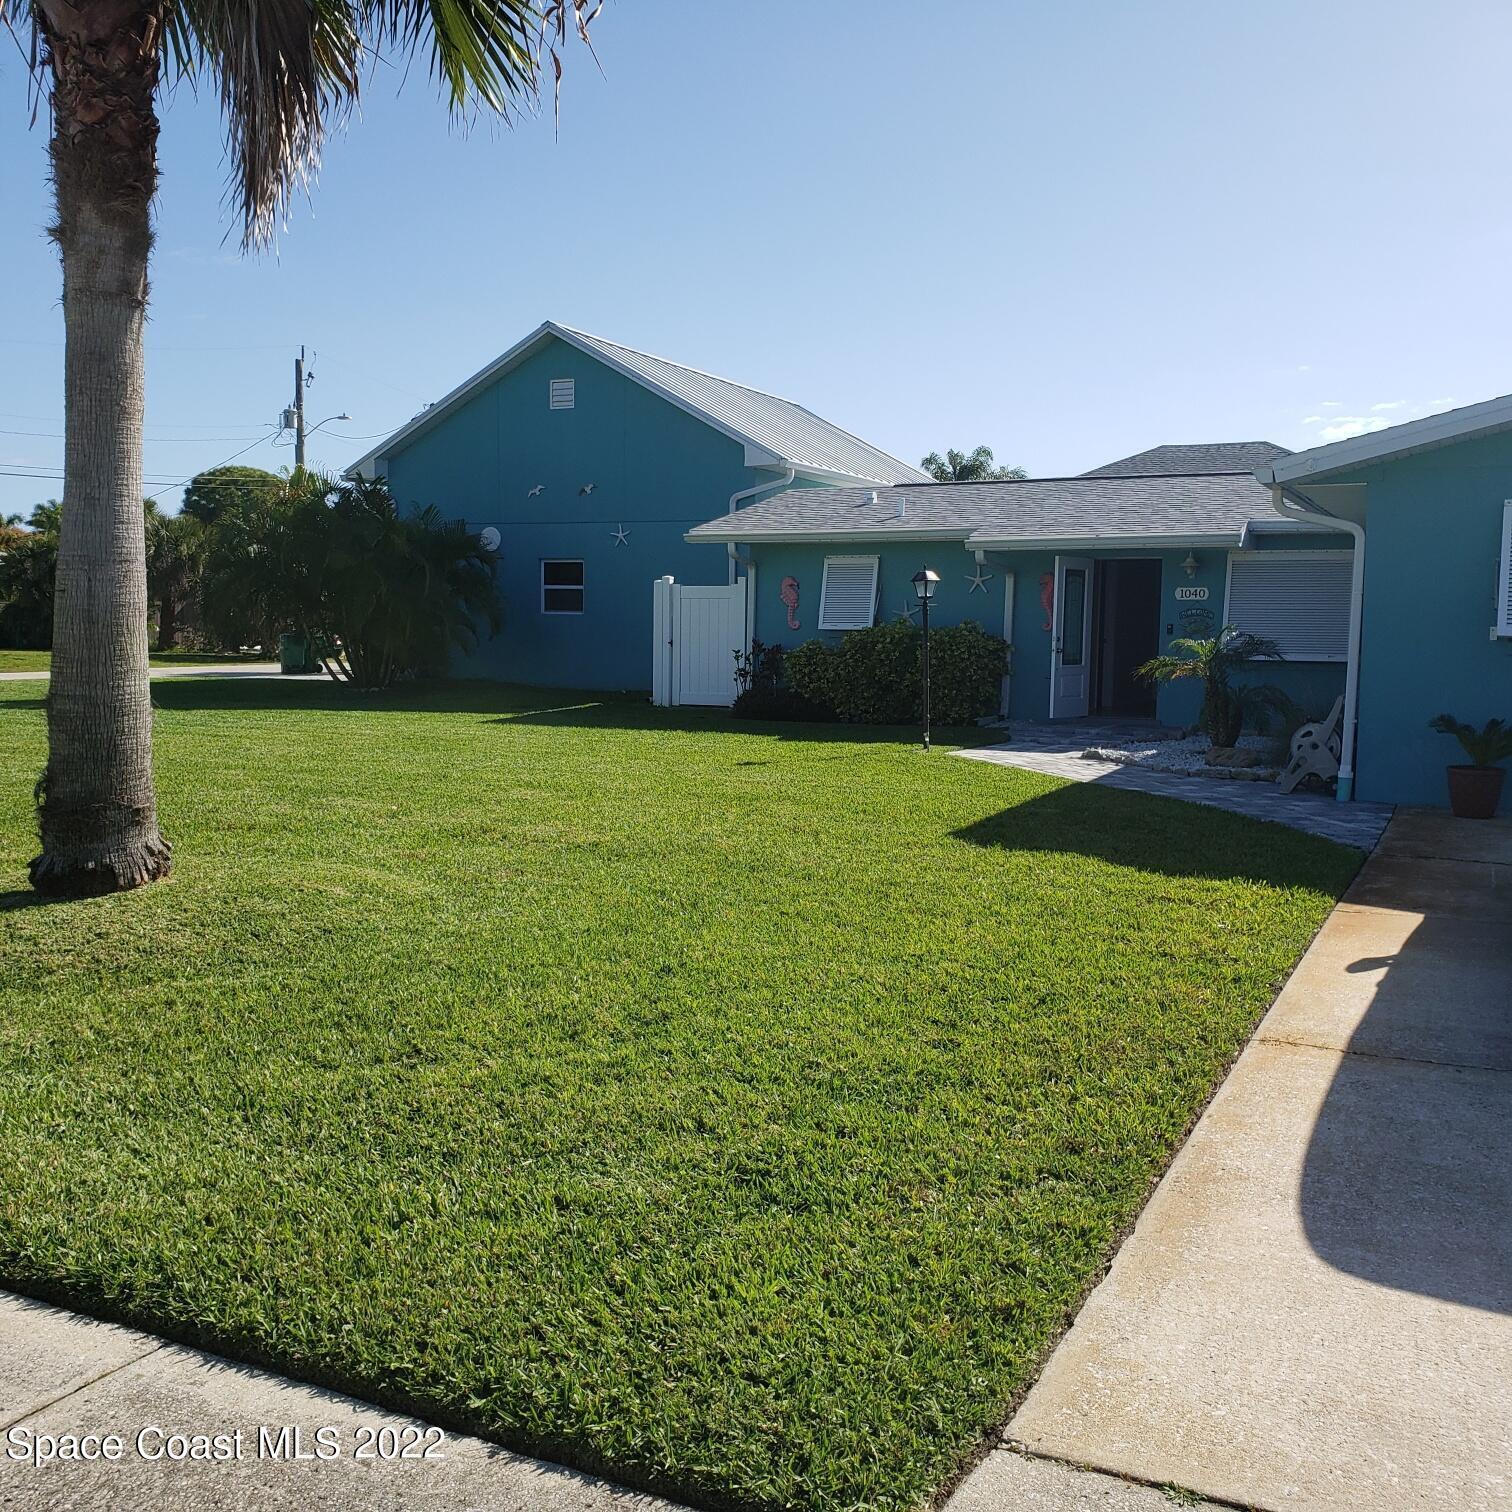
point(925, 583)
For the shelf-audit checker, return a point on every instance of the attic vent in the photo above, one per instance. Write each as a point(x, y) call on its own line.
point(563, 393)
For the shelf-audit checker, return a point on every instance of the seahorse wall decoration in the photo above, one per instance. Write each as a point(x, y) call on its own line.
point(789, 592)
point(1047, 599)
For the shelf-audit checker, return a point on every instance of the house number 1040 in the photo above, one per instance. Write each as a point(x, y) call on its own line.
point(1188, 595)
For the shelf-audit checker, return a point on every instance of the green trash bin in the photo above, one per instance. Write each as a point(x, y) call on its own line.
point(293, 654)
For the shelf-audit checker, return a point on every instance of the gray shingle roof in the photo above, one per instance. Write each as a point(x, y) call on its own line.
point(1213, 508)
point(1212, 456)
point(778, 425)
point(785, 432)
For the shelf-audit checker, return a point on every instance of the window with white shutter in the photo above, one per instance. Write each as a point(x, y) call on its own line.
point(848, 595)
point(1504, 577)
point(1299, 599)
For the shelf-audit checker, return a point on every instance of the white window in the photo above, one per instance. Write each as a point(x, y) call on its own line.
point(561, 587)
point(848, 594)
point(1504, 576)
point(1299, 599)
point(563, 393)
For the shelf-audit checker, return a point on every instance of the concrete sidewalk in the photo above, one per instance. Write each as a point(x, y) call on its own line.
point(61, 1374)
point(217, 669)
point(1315, 1308)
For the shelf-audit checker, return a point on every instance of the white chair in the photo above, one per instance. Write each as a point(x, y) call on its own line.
point(1315, 749)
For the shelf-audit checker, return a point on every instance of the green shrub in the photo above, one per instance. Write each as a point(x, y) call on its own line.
point(874, 677)
point(764, 691)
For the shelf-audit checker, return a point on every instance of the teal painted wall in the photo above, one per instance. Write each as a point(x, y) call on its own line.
point(1313, 685)
point(1433, 540)
point(657, 471)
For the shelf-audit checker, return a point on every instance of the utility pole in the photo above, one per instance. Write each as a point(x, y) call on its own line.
point(299, 423)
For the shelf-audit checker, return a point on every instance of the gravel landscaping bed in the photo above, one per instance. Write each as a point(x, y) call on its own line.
point(1188, 757)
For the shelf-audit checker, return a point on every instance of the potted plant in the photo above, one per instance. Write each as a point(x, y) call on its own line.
point(1225, 704)
point(1475, 789)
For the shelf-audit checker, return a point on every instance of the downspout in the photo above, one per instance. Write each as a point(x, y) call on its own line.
point(1296, 507)
point(749, 563)
point(741, 494)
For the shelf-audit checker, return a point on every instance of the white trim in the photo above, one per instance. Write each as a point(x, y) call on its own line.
point(1278, 558)
point(827, 617)
point(564, 587)
point(1504, 575)
point(854, 538)
point(1085, 543)
point(1395, 441)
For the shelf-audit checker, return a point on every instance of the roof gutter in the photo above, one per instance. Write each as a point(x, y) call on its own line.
point(1297, 506)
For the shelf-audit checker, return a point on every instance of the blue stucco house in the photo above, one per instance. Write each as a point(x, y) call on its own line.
point(1381, 565)
point(586, 464)
point(652, 519)
point(1087, 577)
point(1429, 504)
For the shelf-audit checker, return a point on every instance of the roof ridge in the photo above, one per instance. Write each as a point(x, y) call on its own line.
point(1221, 472)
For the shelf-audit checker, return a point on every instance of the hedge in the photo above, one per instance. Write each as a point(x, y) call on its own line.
point(874, 676)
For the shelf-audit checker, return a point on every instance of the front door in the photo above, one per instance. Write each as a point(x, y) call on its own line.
point(1071, 647)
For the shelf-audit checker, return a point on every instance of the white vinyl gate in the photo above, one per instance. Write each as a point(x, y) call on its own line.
point(696, 633)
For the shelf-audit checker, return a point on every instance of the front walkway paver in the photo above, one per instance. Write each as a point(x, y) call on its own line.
point(1315, 1308)
point(1357, 824)
point(64, 1374)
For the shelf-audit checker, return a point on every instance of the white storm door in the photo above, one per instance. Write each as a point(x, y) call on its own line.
point(1071, 645)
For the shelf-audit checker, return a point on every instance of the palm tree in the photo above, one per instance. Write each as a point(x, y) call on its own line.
point(175, 556)
point(1214, 662)
point(285, 70)
point(958, 467)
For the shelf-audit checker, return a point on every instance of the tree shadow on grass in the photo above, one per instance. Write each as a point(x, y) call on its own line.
point(1146, 832)
point(516, 704)
point(14, 902)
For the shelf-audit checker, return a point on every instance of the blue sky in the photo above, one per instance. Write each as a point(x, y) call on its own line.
point(1068, 231)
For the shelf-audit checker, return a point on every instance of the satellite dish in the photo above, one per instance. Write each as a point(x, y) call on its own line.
point(490, 538)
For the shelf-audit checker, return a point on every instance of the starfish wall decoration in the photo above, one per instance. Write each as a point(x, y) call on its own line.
point(909, 611)
point(978, 579)
point(621, 536)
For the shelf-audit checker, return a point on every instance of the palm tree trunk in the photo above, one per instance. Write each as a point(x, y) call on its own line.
point(98, 813)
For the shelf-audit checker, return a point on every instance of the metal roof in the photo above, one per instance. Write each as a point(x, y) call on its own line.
point(1432, 431)
point(776, 432)
point(1195, 509)
point(1207, 457)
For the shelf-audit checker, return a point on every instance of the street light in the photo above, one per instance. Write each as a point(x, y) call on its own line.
point(925, 583)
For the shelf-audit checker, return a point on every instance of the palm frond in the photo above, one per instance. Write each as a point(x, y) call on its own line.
point(290, 70)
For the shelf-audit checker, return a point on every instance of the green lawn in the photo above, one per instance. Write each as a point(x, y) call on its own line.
point(739, 1111)
point(39, 661)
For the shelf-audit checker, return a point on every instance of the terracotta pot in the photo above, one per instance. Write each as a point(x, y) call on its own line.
point(1475, 791)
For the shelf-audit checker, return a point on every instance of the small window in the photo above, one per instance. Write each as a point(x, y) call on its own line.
point(848, 593)
point(1299, 599)
point(561, 587)
point(563, 393)
point(1504, 577)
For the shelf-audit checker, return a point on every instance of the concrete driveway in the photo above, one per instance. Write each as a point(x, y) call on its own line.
point(1315, 1308)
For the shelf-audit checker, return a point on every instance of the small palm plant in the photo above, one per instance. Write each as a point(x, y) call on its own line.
point(1475, 790)
point(1485, 747)
point(1225, 705)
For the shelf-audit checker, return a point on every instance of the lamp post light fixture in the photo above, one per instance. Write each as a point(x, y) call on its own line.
point(925, 583)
